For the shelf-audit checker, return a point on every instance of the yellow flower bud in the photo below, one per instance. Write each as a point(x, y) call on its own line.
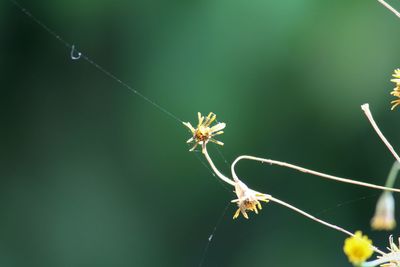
point(358, 248)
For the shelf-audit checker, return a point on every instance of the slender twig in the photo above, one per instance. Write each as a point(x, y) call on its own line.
point(387, 258)
point(287, 205)
point(335, 227)
point(368, 113)
point(391, 179)
point(298, 168)
point(217, 172)
point(389, 7)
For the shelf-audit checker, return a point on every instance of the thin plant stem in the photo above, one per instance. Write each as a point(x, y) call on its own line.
point(390, 259)
point(390, 8)
point(301, 169)
point(335, 227)
point(386, 259)
point(368, 113)
point(393, 174)
point(217, 172)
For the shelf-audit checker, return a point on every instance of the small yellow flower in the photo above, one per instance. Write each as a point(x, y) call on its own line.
point(384, 213)
point(358, 248)
point(248, 199)
point(204, 132)
point(396, 90)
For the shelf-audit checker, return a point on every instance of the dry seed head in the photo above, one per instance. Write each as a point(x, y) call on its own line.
point(204, 132)
point(248, 199)
point(396, 90)
point(390, 259)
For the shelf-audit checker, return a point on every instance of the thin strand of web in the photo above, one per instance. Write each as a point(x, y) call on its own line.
point(97, 66)
point(90, 61)
point(346, 203)
point(211, 236)
point(223, 157)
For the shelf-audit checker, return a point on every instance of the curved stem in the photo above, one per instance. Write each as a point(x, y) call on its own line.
point(393, 174)
point(335, 227)
point(271, 198)
point(320, 174)
point(217, 172)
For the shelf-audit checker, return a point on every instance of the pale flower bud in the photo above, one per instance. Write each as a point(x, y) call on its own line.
point(384, 213)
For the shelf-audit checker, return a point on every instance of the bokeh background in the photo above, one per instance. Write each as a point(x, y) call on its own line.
point(93, 175)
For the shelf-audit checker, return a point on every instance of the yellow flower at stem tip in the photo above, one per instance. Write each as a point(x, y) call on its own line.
point(358, 248)
point(204, 132)
point(396, 90)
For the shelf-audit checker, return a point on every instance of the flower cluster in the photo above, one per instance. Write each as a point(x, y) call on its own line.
point(357, 247)
point(396, 90)
point(247, 199)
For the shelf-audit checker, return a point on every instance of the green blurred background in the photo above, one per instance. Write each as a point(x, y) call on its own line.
point(93, 175)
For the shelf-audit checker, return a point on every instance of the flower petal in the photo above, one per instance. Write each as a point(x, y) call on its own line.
point(218, 127)
point(201, 118)
point(187, 124)
point(236, 214)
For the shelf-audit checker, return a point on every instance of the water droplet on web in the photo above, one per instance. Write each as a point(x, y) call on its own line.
point(75, 54)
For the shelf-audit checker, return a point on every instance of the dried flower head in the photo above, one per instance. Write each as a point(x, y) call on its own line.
point(248, 199)
point(384, 213)
point(204, 132)
point(358, 248)
point(396, 90)
point(390, 259)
